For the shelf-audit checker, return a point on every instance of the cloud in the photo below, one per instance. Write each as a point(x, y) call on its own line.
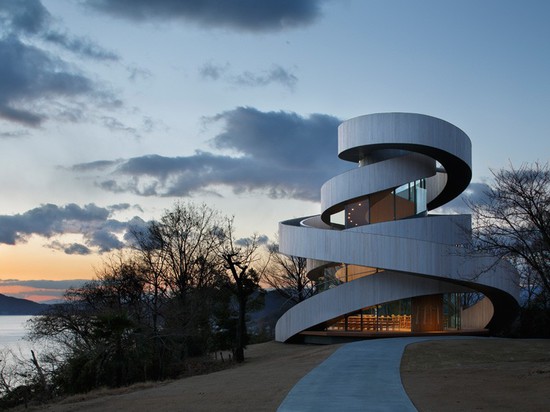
point(28, 76)
point(29, 17)
point(276, 74)
point(104, 240)
point(240, 15)
point(80, 45)
point(97, 165)
point(213, 71)
point(45, 284)
point(99, 231)
point(71, 248)
point(13, 134)
point(135, 73)
point(115, 125)
point(475, 194)
point(35, 83)
point(39, 290)
point(245, 241)
point(280, 154)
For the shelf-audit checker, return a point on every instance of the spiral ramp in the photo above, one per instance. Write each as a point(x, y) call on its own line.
point(378, 248)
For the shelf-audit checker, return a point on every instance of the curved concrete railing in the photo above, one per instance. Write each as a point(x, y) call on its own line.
point(415, 256)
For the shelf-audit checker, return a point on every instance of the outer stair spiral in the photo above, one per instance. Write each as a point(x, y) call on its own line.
point(375, 226)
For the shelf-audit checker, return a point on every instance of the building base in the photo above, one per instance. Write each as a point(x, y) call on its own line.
point(334, 337)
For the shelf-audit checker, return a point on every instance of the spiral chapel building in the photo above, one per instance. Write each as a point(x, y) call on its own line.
point(383, 265)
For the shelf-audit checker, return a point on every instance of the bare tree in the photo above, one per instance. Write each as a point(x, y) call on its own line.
point(180, 265)
point(151, 263)
point(186, 242)
point(242, 279)
point(513, 223)
point(288, 276)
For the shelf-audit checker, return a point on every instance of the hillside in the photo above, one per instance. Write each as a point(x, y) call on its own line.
point(14, 306)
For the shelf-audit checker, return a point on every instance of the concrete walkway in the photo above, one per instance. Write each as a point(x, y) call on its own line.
point(360, 376)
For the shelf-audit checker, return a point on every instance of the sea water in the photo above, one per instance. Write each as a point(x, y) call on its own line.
point(12, 334)
point(15, 351)
point(12, 329)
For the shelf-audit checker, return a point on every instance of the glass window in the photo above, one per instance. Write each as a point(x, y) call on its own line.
point(357, 213)
point(338, 218)
point(421, 196)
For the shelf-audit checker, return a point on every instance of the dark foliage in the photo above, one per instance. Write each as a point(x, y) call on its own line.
point(154, 313)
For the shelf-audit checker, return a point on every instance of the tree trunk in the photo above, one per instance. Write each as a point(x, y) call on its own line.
point(241, 331)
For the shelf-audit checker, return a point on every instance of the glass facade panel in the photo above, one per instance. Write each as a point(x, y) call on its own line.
point(382, 206)
point(338, 218)
point(451, 311)
point(357, 213)
point(329, 279)
point(338, 274)
point(405, 201)
point(347, 273)
point(421, 196)
point(397, 316)
point(389, 317)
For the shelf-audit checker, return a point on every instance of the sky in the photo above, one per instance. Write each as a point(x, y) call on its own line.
point(112, 110)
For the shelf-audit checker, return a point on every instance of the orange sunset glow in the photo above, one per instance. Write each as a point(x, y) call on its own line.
point(25, 292)
point(33, 260)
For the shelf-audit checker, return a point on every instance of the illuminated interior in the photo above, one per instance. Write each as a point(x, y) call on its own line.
point(394, 204)
point(401, 316)
point(419, 314)
point(335, 275)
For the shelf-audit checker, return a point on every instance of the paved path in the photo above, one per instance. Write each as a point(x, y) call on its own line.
point(360, 376)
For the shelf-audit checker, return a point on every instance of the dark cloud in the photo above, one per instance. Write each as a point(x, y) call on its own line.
point(35, 83)
point(47, 220)
point(71, 248)
point(284, 137)
point(100, 233)
point(31, 19)
point(29, 16)
point(104, 240)
point(281, 154)
point(120, 206)
point(242, 15)
point(29, 75)
point(275, 75)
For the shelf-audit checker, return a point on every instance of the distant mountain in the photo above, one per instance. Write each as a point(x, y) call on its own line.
point(263, 320)
point(14, 306)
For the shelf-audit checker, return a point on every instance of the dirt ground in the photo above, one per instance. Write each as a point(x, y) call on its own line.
point(478, 375)
point(461, 375)
point(270, 370)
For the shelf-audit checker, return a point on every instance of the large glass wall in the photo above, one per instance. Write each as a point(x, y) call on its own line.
point(404, 201)
point(451, 310)
point(392, 316)
point(395, 316)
